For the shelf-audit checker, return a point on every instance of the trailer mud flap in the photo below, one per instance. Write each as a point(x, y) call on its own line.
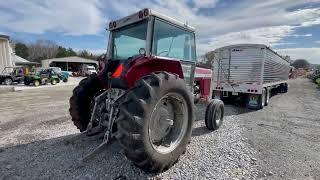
point(253, 101)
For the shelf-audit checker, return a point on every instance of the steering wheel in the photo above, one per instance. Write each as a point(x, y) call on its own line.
point(163, 52)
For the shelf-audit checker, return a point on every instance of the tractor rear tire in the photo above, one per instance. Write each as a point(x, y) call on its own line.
point(137, 115)
point(81, 99)
point(214, 114)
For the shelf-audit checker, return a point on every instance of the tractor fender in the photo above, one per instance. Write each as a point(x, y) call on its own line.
point(143, 66)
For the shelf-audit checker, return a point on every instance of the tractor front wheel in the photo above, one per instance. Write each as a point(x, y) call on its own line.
point(155, 121)
point(214, 114)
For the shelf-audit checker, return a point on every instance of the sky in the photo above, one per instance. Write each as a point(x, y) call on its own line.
point(290, 27)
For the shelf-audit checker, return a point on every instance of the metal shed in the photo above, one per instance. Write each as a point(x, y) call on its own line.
point(67, 63)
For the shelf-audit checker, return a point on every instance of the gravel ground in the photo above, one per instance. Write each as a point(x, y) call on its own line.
point(287, 133)
point(35, 124)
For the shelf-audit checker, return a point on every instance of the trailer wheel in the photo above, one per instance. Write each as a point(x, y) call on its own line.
point(262, 99)
point(214, 114)
point(155, 122)
point(268, 91)
point(285, 88)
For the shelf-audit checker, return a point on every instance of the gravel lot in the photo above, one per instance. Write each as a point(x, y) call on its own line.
point(281, 141)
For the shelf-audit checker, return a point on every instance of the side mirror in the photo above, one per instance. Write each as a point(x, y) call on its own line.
point(142, 51)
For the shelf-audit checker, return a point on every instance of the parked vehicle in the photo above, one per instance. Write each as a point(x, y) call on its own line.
point(142, 95)
point(12, 75)
point(41, 76)
point(249, 71)
point(63, 75)
point(87, 70)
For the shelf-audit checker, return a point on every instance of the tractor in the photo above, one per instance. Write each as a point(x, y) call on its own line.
point(142, 95)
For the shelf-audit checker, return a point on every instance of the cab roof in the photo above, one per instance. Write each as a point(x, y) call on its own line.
point(144, 14)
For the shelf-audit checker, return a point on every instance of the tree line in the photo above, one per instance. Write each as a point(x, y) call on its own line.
point(46, 49)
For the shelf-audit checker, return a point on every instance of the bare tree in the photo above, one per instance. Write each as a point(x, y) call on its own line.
point(206, 60)
point(42, 49)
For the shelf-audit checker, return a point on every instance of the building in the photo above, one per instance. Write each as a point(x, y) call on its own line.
point(72, 63)
point(6, 53)
point(19, 61)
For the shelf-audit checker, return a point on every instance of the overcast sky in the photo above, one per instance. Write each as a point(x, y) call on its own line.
point(289, 26)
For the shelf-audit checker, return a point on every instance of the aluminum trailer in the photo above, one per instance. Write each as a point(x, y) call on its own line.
point(5, 52)
point(249, 71)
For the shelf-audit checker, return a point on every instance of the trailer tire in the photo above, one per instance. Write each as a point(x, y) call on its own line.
point(285, 88)
point(267, 99)
point(144, 104)
point(262, 99)
point(81, 99)
point(214, 114)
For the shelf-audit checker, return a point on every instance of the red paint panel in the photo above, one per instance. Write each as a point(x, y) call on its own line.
point(118, 71)
point(205, 87)
point(144, 66)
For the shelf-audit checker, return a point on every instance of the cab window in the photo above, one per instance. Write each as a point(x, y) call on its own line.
point(173, 42)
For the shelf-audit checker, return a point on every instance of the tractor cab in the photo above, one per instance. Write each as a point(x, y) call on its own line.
point(149, 35)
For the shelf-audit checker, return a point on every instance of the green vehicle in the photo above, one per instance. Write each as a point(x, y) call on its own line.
point(42, 76)
point(63, 75)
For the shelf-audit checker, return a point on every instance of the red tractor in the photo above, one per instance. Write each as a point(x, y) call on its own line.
point(142, 95)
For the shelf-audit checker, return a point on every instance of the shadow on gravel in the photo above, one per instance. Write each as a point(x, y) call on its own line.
point(54, 159)
point(199, 131)
point(235, 109)
point(230, 109)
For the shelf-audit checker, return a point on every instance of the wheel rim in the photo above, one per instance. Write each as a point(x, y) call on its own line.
point(8, 81)
point(168, 123)
point(36, 83)
point(54, 82)
point(218, 115)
